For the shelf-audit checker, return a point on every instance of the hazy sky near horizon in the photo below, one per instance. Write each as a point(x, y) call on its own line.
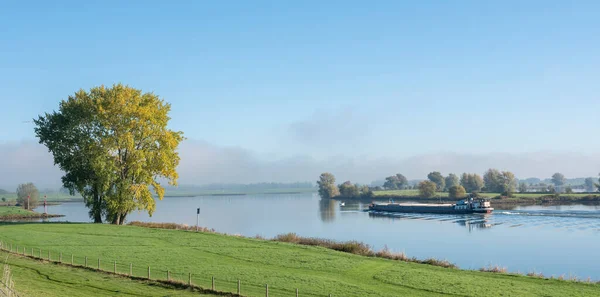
point(288, 89)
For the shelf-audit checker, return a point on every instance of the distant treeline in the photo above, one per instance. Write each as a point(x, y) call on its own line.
point(492, 181)
point(245, 187)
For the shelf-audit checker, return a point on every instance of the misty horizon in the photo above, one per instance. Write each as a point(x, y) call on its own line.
point(204, 164)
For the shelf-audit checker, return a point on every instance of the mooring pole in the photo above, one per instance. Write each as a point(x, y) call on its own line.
point(197, 218)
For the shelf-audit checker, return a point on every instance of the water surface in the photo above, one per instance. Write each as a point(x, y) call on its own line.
point(554, 240)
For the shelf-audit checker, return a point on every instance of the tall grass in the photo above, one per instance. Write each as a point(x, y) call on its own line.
point(171, 226)
point(7, 286)
point(493, 269)
point(358, 248)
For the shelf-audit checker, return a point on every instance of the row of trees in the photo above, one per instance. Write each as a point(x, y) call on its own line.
point(114, 147)
point(328, 188)
point(493, 180)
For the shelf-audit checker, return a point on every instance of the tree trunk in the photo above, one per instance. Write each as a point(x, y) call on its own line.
point(97, 207)
point(122, 219)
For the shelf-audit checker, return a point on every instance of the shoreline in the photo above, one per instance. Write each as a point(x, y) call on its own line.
point(542, 200)
point(28, 217)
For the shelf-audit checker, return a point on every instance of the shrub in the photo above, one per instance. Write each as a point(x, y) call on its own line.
point(427, 189)
point(457, 192)
point(494, 269)
point(171, 226)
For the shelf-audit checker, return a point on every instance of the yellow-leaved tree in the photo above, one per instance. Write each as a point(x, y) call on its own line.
point(119, 148)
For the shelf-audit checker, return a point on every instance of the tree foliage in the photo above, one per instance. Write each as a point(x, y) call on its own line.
point(522, 187)
point(589, 185)
point(114, 146)
point(471, 182)
point(438, 179)
point(427, 189)
point(28, 196)
point(327, 187)
point(395, 182)
point(558, 179)
point(499, 182)
point(456, 192)
point(451, 181)
point(347, 189)
point(569, 190)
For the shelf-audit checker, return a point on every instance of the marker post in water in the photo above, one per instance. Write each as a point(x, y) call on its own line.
point(197, 218)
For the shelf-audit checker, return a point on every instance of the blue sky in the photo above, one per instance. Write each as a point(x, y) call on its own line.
point(321, 78)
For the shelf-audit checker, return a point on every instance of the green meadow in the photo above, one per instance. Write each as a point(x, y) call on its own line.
point(39, 278)
point(315, 271)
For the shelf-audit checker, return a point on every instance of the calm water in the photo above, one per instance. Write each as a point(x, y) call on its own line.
point(553, 240)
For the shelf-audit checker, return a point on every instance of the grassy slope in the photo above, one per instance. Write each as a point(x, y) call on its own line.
point(37, 278)
point(315, 271)
point(489, 195)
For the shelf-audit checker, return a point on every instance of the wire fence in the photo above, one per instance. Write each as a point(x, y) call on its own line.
point(230, 286)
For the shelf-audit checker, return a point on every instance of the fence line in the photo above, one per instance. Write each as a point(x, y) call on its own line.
point(232, 287)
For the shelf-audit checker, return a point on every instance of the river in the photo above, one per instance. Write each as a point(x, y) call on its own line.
point(553, 240)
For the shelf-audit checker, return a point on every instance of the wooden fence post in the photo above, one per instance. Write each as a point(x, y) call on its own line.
point(130, 269)
point(239, 287)
point(213, 283)
point(40, 253)
point(168, 275)
point(190, 280)
point(32, 255)
point(148, 272)
point(60, 257)
point(115, 268)
point(296, 292)
point(267, 290)
point(72, 260)
point(85, 261)
point(98, 263)
point(48, 255)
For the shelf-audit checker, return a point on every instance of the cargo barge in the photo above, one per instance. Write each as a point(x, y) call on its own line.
point(466, 206)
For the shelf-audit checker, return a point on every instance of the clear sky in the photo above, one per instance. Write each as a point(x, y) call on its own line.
point(279, 79)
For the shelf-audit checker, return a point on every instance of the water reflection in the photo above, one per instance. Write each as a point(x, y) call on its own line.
point(471, 222)
point(327, 209)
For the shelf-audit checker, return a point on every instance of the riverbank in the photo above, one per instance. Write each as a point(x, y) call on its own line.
point(283, 266)
point(42, 278)
point(495, 198)
point(11, 213)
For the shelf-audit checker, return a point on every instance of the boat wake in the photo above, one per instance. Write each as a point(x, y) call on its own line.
point(559, 220)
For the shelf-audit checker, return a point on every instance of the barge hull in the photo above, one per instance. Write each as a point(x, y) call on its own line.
point(423, 209)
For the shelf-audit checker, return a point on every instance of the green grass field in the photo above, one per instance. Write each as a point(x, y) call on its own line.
point(37, 278)
point(415, 193)
point(315, 271)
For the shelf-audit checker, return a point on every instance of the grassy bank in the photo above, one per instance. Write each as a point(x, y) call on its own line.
point(15, 213)
point(40, 278)
point(316, 271)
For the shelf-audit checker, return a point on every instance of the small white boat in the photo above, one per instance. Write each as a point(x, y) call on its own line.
point(342, 203)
